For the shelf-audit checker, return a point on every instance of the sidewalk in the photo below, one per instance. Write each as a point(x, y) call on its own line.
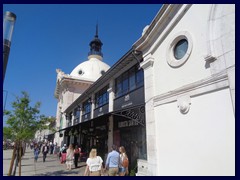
point(52, 166)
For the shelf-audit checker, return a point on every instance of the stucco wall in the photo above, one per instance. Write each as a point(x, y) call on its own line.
point(166, 78)
point(201, 142)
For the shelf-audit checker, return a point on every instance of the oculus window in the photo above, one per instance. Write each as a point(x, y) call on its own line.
point(179, 49)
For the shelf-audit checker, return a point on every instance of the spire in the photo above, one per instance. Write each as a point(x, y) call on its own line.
point(96, 45)
point(96, 36)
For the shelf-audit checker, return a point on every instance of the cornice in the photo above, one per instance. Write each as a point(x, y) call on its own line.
point(164, 22)
point(212, 83)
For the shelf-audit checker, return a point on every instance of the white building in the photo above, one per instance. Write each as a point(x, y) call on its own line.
point(189, 75)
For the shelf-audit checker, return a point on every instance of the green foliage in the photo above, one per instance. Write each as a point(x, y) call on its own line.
point(24, 120)
point(134, 170)
point(7, 133)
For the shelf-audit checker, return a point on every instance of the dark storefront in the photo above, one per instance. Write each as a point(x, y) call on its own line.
point(92, 133)
point(130, 132)
point(129, 115)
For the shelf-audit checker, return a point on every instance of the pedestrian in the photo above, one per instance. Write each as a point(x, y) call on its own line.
point(55, 148)
point(36, 152)
point(123, 166)
point(69, 157)
point(45, 150)
point(77, 152)
point(51, 147)
point(63, 153)
point(94, 164)
point(112, 162)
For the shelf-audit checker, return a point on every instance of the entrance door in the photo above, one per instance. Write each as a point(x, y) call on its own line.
point(129, 139)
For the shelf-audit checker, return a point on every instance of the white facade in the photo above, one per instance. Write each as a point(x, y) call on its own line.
point(190, 102)
point(70, 87)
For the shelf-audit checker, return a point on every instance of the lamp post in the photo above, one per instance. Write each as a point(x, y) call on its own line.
point(9, 20)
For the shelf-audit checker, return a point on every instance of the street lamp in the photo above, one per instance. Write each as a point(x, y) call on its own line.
point(9, 20)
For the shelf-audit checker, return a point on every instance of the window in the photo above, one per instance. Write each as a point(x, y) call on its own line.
point(139, 78)
point(128, 81)
point(125, 83)
point(76, 114)
point(119, 86)
point(80, 72)
point(87, 106)
point(179, 49)
point(132, 79)
point(101, 97)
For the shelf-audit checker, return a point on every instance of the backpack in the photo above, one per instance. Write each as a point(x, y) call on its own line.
point(125, 162)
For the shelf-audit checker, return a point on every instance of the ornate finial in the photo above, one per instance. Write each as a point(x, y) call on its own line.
point(96, 45)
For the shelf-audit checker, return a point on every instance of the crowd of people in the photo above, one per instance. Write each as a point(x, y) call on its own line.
point(116, 163)
point(45, 148)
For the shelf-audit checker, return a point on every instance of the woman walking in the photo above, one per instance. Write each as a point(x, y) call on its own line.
point(94, 164)
point(36, 152)
point(77, 152)
point(69, 157)
point(123, 167)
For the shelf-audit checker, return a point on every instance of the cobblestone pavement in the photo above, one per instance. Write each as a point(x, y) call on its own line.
point(52, 166)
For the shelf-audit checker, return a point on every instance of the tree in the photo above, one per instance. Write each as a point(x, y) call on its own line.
point(23, 121)
point(7, 133)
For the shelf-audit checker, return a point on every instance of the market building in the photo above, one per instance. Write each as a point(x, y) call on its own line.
point(189, 74)
point(170, 100)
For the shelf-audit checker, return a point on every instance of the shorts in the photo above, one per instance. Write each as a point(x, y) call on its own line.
point(122, 169)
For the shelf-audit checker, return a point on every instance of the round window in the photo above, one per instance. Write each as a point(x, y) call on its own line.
point(180, 49)
point(80, 72)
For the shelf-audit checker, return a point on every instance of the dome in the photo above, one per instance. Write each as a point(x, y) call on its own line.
point(91, 69)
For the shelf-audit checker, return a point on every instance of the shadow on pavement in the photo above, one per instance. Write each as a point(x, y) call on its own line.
point(58, 173)
point(27, 164)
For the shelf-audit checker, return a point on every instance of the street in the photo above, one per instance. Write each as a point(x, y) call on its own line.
point(52, 166)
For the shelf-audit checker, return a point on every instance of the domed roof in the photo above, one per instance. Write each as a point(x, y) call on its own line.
point(91, 69)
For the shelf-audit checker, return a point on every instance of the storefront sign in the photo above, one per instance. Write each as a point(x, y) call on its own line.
point(134, 98)
point(86, 117)
point(100, 111)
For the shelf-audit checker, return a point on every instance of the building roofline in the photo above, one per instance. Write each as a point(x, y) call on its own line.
point(122, 62)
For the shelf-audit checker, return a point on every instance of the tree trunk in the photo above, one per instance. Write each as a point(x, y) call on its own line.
point(20, 158)
point(12, 160)
point(16, 163)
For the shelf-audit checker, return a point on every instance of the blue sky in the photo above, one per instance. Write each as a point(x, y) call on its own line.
point(51, 36)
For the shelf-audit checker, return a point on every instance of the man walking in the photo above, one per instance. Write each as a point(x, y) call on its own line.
point(112, 162)
point(45, 151)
